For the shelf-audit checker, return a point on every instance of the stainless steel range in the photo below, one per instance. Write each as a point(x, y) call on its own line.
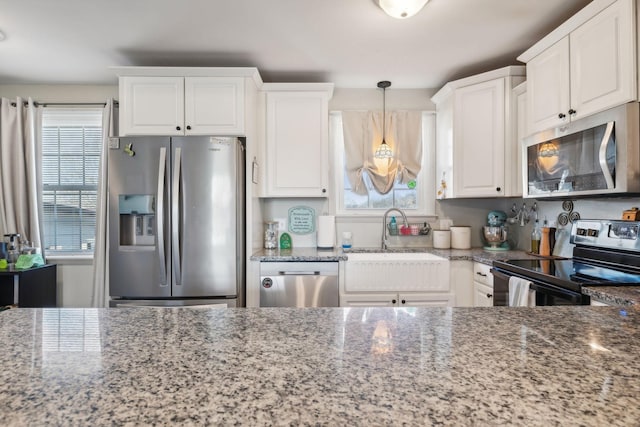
point(606, 253)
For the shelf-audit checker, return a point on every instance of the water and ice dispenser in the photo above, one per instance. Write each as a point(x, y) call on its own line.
point(137, 219)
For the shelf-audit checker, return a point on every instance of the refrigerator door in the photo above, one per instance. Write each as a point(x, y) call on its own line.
point(138, 218)
point(207, 229)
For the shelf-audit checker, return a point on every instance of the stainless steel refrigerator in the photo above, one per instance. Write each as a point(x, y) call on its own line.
point(176, 221)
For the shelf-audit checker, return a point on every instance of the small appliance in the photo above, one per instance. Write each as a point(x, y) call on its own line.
point(495, 232)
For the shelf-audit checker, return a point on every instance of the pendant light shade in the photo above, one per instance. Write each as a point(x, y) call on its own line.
point(401, 9)
point(383, 151)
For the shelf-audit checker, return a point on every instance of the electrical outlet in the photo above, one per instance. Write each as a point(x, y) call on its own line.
point(282, 224)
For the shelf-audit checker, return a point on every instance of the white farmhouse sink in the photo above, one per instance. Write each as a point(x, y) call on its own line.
point(396, 271)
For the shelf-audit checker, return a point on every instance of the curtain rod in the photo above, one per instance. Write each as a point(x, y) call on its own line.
point(46, 104)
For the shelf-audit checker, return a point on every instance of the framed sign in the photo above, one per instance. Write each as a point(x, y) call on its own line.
point(302, 220)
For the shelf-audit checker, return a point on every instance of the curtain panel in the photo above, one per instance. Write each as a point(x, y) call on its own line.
point(363, 134)
point(19, 171)
point(100, 291)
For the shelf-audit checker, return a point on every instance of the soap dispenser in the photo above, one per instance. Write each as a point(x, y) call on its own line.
point(393, 227)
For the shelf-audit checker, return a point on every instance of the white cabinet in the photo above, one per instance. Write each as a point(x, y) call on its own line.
point(297, 141)
point(473, 130)
point(167, 105)
point(516, 149)
point(397, 300)
point(482, 285)
point(591, 68)
point(461, 279)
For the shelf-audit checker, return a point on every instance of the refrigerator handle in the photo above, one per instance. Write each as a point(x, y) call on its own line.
point(160, 216)
point(175, 223)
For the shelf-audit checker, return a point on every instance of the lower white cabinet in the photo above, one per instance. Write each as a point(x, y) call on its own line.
point(461, 279)
point(482, 285)
point(397, 300)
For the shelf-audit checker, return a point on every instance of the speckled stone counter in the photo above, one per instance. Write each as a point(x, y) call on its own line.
point(378, 366)
point(614, 295)
point(298, 254)
point(313, 254)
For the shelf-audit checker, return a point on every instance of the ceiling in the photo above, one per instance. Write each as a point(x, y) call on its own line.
point(351, 43)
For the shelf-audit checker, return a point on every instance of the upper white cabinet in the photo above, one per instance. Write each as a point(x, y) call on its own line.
point(183, 101)
point(181, 106)
point(475, 141)
point(585, 66)
point(297, 141)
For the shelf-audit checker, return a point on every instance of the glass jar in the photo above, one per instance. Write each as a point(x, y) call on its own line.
point(271, 235)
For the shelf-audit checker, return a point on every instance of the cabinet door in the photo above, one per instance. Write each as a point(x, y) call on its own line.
point(548, 87)
point(482, 295)
point(214, 106)
point(369, 300)
point(297, 144)
point(479, 134)
point(151, 106)
point(602, 60)
point(513, 146)
point(425, 300)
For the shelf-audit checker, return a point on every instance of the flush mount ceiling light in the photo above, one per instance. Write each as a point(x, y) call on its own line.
point(383, 151)
point(401, 9)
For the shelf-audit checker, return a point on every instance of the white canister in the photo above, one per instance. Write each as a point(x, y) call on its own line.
point(460, 237)
point(441, 239)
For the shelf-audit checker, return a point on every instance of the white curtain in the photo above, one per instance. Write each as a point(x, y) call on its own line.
point(363, 134)
point(19, 173)
point(100, 292)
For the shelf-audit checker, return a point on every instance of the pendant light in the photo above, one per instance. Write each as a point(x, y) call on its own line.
point(401, 9)
point(384, 151)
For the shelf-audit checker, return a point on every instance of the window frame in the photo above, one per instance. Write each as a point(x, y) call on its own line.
point(425, 179)
point(93, 119)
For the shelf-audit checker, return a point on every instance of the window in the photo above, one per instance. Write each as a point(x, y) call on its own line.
point(71, 141)
point(416, 198)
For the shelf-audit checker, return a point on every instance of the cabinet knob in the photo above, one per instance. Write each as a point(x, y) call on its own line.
point(489, 296)
point(572, 111)
point(498, 188)
point(562, 116)
point(393, 301)
point(404, 302)
point(188, 127)
point(177, 127)
point(324, 190)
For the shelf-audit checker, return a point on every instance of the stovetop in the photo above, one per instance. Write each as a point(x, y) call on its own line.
point(576, 271)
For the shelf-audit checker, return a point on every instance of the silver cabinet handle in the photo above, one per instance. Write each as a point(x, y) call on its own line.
point(175, 223)
point(160, 216)
point(602, 155)
point(299, 273)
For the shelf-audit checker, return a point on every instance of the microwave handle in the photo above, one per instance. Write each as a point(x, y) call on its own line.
point(603, 155)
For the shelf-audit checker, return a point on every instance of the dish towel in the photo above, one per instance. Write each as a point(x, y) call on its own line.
point(519, 293)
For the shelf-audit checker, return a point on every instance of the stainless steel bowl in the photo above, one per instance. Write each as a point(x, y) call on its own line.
point(494, 235)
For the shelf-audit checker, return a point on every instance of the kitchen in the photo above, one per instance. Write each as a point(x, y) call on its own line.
point(471, 212)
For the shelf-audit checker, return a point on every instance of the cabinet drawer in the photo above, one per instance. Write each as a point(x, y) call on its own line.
point(482, 274)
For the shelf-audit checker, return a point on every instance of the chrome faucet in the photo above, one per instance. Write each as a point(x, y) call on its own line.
point(384, 225)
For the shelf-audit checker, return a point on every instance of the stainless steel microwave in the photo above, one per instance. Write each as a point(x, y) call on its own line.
point(598, 155)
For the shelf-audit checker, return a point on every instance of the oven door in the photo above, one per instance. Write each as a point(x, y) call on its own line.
point(546, 293)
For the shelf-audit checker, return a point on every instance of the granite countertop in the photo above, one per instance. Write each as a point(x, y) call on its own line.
point(313, 254)
point(614, 295)
point(334, 366)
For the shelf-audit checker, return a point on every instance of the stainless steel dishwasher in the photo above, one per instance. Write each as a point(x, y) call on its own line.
point(299, 284)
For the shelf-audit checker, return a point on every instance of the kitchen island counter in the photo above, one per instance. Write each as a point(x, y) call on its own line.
point(375, 366)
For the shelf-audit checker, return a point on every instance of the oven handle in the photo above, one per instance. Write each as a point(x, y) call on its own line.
point(544, 288)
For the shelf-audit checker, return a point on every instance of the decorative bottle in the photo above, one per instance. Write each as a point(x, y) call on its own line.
point(535, 238)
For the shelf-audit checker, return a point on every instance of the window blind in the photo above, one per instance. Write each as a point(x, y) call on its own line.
point(71, 141)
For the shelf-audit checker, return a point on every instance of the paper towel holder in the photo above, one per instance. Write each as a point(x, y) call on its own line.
point(326, 237)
